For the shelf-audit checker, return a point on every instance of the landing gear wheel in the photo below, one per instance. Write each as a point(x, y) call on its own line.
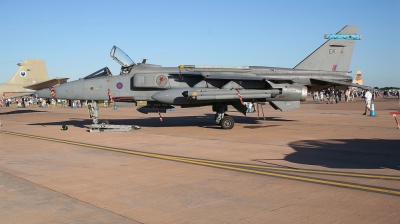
point(227, 122)
point(104, 122)
point(215, 116)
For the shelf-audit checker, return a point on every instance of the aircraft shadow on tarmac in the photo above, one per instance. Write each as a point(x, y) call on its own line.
point(205, 121)
point(22, 111)
point(346, 153)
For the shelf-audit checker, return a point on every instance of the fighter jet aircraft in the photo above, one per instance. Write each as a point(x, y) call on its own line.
point(30, 76)
point(217, 86)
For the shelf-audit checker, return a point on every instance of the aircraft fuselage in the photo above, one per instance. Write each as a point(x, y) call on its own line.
point(145, 80)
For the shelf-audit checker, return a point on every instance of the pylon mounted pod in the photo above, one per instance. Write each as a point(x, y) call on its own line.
point(372, 112)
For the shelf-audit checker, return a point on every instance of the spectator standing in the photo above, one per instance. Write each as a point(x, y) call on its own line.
point(321, 95)
point(327, 95)
point(54, 102)
point(333, 96)
point(368, 101)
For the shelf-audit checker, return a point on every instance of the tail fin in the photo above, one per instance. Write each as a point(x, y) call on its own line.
point(333, 55)
point(31, 71)
point(358, 78)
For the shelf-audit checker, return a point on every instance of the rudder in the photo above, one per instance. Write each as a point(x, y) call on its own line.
point(31, 71)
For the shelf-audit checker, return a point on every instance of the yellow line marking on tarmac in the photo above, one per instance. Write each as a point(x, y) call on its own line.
point(309, 179)
point(323, 172)
point(228, 166)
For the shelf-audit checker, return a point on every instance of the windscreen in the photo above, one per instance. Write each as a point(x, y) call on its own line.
point(119, 56)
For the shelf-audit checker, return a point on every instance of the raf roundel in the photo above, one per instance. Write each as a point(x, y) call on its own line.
point(161, 80)
point(120, 85)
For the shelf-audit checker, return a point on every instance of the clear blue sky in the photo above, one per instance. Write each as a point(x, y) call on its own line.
point(75, 37)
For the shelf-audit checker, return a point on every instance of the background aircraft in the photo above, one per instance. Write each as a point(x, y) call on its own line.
point(30, 76)
point(358, 78)
point(218, 86)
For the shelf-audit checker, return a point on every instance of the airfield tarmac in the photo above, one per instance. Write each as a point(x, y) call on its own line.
point(317, 164)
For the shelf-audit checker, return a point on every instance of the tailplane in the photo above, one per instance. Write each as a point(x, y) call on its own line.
point(335, 54)
point(30, 72)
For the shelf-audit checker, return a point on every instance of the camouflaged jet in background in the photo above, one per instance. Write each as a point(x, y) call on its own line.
point(30, 76)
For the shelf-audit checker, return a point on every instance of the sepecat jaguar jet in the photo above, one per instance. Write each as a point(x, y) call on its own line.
point(217, 86)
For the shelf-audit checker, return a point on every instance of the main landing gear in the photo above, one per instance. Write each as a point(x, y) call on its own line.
point(222, 119)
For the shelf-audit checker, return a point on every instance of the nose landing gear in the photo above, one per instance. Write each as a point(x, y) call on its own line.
point(104, 125)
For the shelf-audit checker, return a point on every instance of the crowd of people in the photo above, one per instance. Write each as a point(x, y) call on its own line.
point(331, 95)
point(31, 101)
point(335, 96)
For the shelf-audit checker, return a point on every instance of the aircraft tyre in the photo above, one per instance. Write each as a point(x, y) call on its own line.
point(227, 122)
point(104, 122)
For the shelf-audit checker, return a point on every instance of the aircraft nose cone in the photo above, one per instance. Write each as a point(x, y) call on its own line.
point(43, 93)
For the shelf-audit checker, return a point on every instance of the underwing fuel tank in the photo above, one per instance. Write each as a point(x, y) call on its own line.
point(196, 95)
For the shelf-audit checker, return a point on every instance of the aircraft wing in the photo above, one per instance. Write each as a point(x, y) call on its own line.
point(47, 84)
point(335, 82)
point(279, 80)
point(234, 77)
point(10, 95)
point(249, 78)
